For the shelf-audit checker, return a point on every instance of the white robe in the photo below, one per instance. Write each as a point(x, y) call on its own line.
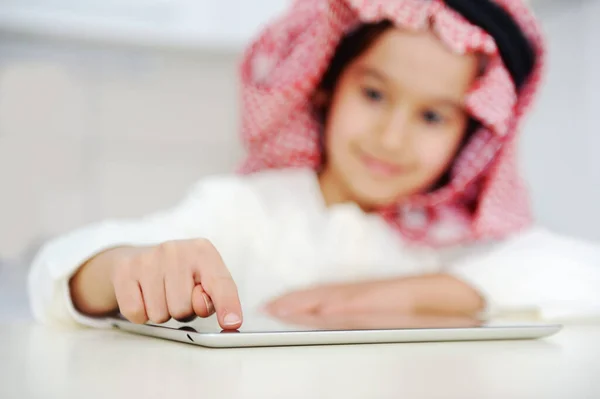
point(275, 235)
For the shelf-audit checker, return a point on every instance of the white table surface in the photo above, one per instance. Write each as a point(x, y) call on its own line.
point(39, 362)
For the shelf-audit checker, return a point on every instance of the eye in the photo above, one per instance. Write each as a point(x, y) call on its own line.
point(372, 94)
point(433, 118)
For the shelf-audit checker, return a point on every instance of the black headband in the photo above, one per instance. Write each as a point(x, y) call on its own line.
point(515, 49)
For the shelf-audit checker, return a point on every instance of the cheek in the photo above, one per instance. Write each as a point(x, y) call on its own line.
point(346, 125)
point(436, 153)
point(338, 139)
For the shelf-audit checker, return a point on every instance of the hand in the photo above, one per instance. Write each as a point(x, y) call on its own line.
point(176, 279)
point(362, 297)
point(435, 293)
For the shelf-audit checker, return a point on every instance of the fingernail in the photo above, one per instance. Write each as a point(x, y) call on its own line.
point(231, 319)
point(209, 305)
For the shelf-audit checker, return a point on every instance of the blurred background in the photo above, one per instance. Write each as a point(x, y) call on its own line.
point(112, 108)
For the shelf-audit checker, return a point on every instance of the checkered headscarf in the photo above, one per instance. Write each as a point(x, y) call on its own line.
point(283, 66)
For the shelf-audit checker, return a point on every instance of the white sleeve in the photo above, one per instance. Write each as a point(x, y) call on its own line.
point(211, 210)
point(557, 278)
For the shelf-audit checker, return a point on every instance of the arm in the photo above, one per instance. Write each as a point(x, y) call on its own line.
point(62, 291)
point(537, 272)
point(91, 288)
point(420, 294)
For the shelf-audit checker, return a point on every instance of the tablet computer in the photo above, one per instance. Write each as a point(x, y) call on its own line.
point(262, 331)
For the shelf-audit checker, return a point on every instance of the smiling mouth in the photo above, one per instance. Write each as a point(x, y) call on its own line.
point(380, 168)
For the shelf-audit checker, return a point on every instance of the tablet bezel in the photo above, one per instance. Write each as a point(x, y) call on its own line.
point(240, 339)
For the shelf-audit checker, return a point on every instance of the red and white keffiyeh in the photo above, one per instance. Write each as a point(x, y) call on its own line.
point(283, 66)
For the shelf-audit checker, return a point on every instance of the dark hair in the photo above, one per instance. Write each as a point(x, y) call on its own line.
point(517, 52)
point(350, 47)
point(515, 49)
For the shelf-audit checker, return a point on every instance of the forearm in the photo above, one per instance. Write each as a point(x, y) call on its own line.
point(442, 293)
point(91, 287)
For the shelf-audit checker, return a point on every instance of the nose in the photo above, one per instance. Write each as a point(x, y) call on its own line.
point(396, 130)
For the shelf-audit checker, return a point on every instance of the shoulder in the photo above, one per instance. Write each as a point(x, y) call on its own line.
point(534, 244)
point(541, 239)
point(555, 245)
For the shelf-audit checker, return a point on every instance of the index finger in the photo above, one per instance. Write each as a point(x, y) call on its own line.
point(211, 272)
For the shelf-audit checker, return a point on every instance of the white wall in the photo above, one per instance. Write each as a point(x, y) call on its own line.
point(562, 141)
point(91, 131)
point(88, 133)
point(182, 23)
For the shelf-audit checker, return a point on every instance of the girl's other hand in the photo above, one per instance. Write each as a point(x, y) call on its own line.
point(427, 294)
point(336, 299)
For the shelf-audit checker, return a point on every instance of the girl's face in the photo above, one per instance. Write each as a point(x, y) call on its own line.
point(395, 119)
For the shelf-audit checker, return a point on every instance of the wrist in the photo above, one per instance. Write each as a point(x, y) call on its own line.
point(91, 287)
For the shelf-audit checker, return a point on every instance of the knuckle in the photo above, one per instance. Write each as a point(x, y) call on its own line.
point(169, 255)
point(135, 314)
point(203, 244)
point(159, 317)
point(186, 319)
point(123, 273)
point(179, 308)
point(133, 268)
point(166, 249)
point(182, 314)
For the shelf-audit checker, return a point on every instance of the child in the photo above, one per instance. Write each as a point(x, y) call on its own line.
point(381, 177)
